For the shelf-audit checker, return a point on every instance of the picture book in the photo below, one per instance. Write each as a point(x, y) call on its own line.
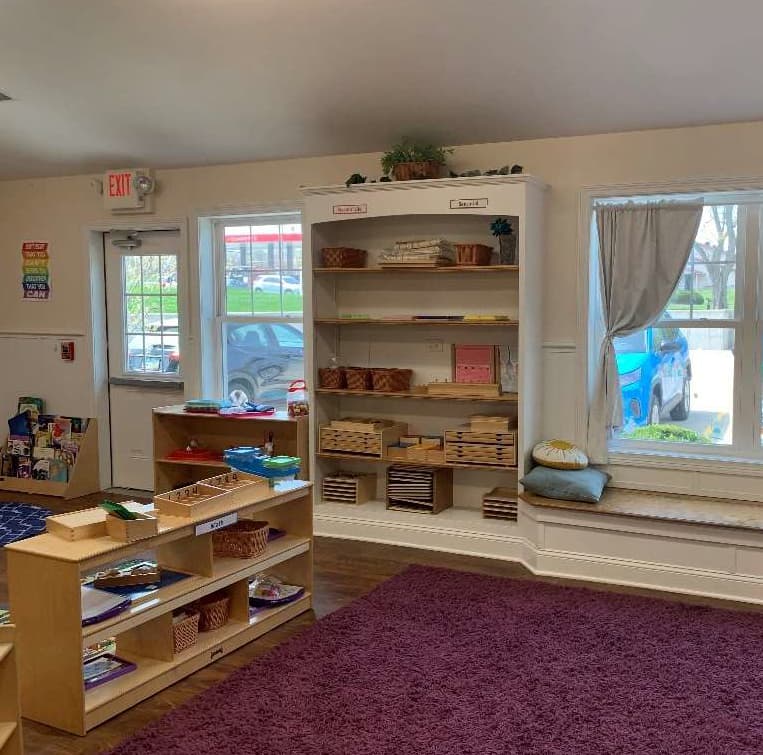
point(61, 432)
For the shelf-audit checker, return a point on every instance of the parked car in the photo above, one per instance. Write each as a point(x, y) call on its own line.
point(655, 375)
point(263, 358)
point(271, 284)
point(161, 352)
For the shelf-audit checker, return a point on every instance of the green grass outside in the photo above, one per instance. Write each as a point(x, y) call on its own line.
point(707, 295)
point(239, 302)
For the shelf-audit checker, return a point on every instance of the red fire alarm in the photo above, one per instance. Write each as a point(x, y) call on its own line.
point(67, 351)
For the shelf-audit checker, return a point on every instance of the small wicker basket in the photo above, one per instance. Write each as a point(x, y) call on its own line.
point(343, 256)
point(473, 254)
point(214, 611)
point(186, 632)
point(415, 171)
point(242, 539)
point(358, 378)
point(331, 377)
point(391, 379)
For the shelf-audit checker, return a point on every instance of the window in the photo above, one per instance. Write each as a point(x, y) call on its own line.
point(150, 314)
point(692, 381)
point(259, 308)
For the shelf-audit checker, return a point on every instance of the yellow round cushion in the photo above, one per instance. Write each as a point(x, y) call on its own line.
point(559, 454)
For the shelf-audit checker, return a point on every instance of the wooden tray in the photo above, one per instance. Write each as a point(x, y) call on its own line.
point(478, 390)
point(372, 444)
point(237, 486)
point(469, 436)
point(190, 501)
point(500, 503)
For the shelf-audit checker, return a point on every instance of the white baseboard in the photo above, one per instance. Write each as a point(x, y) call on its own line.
point(701, 561)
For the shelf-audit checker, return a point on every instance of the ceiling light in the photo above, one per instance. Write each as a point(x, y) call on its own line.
point(4, 97)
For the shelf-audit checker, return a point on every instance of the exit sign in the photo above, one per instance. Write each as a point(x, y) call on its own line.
point(119, 193)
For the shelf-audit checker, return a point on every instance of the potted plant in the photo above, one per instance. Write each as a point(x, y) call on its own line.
point(507, 241)
point(407, 160)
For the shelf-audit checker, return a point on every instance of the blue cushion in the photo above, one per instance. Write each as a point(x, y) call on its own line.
point(567, 484)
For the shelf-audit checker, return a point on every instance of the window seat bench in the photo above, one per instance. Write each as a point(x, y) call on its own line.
point(688, 544)
point(718, 512)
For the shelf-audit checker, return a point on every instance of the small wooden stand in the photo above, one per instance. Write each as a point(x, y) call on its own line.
point(83, 477)
point(10, 718)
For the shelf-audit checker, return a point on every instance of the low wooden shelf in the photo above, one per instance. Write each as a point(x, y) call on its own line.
point(10, 718)
point(418, 463)
point(44, 574)
point(174, 428)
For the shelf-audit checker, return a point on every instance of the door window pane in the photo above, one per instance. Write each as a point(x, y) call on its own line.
point(150, 314)
point(677, 384)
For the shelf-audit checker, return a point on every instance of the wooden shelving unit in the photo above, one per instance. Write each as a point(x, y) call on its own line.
point(398, 270)
point(174, 428)
point(44, 574)
point(364, 317)
point(409, 321)
point(10, 718)
point(510, 398)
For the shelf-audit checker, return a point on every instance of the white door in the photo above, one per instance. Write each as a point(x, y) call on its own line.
point(144, 325)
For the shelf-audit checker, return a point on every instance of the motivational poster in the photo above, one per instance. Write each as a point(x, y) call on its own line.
point(35, 271)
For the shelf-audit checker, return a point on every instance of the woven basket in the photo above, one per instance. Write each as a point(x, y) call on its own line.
point(214, 611)
point(343, 256)
point(414, 171)
point(473, 254)
point(391, 379)
point(186, 632)
point(358, 378)
point(242, 539)
point(331, 377)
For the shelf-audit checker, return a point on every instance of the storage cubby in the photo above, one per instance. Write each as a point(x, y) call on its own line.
point(10, 717)
point(412, 318)
point(174, 428)
point(44, 575)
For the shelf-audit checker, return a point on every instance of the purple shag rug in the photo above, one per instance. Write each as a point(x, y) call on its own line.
point(437, 662)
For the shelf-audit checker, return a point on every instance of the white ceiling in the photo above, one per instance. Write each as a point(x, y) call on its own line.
point(113, 83)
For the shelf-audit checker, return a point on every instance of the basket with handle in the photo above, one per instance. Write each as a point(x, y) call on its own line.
point(242, 539)
point(391, 379)
point(186, 631)
point(214, 611)
point(358, 378)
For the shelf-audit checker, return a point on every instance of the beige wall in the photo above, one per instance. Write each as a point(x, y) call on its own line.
point(58, 209)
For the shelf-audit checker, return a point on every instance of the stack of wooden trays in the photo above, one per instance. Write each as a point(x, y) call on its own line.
point(362, 436)
point(494, 449)
point(344, 487)
point(500, 503)
point(421, 489)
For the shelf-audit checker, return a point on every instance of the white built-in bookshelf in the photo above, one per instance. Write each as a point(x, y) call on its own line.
point(361, 317)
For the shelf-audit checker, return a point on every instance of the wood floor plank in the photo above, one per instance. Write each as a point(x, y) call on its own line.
point(344, 571)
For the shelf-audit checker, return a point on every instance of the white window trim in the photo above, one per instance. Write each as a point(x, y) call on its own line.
point(280, 215)
point(677, 461)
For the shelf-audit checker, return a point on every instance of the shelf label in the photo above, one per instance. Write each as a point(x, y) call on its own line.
point(350, 209)
point(468, 204)
point(216, 524)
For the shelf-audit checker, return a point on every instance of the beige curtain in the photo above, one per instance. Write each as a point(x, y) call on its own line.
point(643, 249)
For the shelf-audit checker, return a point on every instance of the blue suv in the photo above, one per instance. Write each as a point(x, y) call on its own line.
point(655, 375)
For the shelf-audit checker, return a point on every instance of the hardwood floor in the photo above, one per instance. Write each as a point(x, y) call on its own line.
point(344, 571)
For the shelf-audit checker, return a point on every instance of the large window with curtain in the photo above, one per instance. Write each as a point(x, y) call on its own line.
point(690, 382)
